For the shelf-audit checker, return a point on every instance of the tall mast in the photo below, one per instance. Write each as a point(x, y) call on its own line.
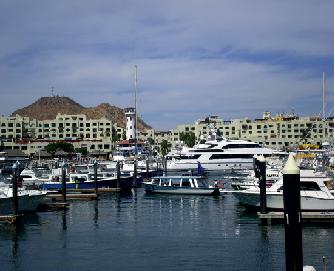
point(135, 84)
point(323, 95)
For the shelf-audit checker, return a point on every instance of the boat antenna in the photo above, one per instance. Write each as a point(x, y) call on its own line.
point(323, 95)
point(135, 85)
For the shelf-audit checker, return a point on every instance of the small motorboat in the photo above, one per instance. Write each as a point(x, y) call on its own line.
point(187, 185)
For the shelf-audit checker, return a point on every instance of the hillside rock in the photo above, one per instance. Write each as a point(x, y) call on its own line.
point(47, 108)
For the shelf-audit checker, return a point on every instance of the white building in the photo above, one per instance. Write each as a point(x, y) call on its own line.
point(131, 123)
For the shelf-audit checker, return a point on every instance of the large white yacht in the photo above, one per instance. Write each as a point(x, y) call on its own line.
point(216, 153)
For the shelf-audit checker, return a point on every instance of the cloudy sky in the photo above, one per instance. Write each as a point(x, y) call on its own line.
point(195, 58)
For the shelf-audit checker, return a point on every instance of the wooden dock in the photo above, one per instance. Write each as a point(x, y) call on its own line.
point(73, 196)
point(92, 191)
point(51, 206)
point(10, 219)
point(278, 217)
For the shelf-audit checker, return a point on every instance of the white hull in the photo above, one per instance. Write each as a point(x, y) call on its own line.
point(179, 190)
point(26, 203)
point(210, 166)
point(275, 201)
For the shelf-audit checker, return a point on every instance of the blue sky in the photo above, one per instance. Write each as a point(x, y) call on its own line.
point(229, 58)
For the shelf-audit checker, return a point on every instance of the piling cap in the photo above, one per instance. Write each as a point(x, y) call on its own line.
point(291, 166)
point(261, 158)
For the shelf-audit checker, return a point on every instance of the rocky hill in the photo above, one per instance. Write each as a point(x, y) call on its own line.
point(46, 108)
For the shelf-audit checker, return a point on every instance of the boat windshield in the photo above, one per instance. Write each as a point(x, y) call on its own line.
point(165, 182)
point(79, 179)
point(175, 181)
point(185, 183)
point(309, 186)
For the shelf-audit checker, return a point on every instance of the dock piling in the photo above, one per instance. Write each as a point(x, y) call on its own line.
point(147, 167)
point(165, 165)
point(118, 174)
point(135, 173)
point(292, 216)
point(64, 181)
point(95, 164)
point(262, 183)
point(15, 199)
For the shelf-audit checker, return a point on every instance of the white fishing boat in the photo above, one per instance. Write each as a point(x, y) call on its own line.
point(190, 185)
point(316, 193)
point(28, 199)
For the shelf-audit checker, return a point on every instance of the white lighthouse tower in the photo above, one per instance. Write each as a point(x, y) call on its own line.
point(130, 113)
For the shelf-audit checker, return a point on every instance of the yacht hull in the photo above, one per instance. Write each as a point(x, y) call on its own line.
point(274, 201)
point(213, 166)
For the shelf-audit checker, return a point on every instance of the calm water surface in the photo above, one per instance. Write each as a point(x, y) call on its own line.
point(155, 232)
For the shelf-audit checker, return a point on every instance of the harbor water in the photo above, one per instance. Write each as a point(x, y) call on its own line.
point(137, 231)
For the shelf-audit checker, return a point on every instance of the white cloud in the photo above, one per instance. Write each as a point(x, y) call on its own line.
point(189, 55)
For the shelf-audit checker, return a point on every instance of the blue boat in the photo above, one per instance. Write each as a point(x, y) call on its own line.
point(86, 181)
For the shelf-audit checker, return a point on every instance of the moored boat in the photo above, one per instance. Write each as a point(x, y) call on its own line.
point(189, 185)
point(86, 181)
point(28, 199)
point(315, 193)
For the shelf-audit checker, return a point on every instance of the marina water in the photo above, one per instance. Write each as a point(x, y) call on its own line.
point(137, 231)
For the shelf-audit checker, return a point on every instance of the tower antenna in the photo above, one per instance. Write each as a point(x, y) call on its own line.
point(135, 85)
point(323, 95)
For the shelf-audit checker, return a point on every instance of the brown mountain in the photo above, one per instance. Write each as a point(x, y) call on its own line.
point(47, 108)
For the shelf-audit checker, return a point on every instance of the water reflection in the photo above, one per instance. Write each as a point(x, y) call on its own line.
point(64, 222)
point(105, 234)
point(12, 234)
point(96, 214)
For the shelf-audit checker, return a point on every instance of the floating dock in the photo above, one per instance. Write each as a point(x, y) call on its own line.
point(10, 219)
point(100, 190)
point(73, 196)
point(53, 206)
point(278, 217)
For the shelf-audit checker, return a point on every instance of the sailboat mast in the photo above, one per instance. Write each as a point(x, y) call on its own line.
point(135, 84)
point(323, 95)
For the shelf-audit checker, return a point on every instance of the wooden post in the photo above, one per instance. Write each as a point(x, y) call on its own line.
point(64, 181)
point(15, 200)
point(118, 174)
point(165, 165)
point(147, 167)
point(292, 216)
point(95, 165)
point(135, 173)
point(262, 184)
point(256, 166)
